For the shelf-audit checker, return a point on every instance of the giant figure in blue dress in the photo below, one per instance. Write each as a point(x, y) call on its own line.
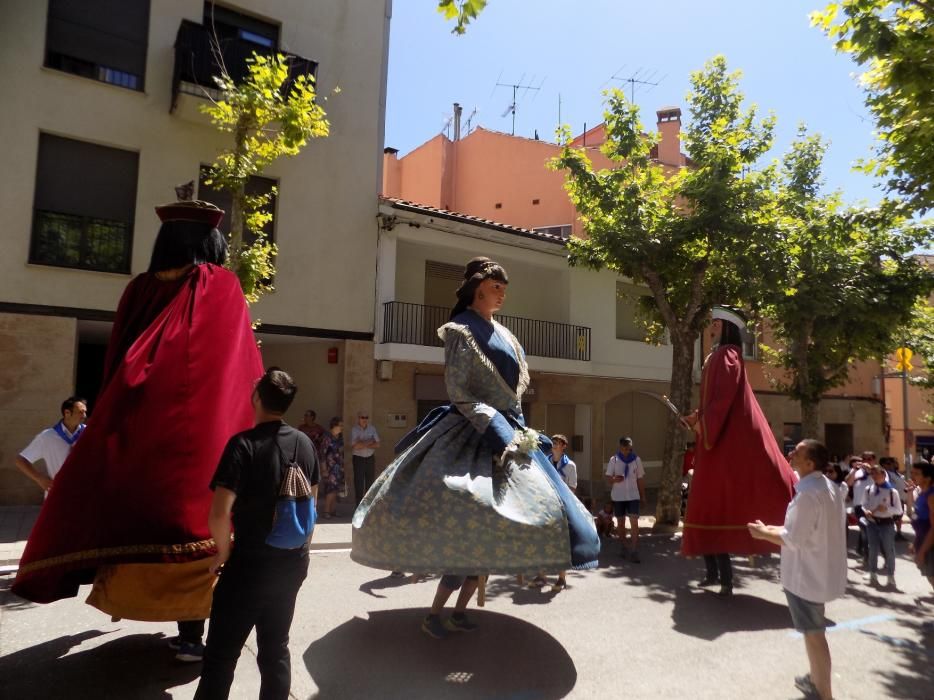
point(468, 495)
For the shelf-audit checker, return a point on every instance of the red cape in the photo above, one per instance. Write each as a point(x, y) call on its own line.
point(740, 475)
point(179, 374)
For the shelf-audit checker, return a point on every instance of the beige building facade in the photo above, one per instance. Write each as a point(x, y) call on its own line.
point(586, 382)
point(105, 122)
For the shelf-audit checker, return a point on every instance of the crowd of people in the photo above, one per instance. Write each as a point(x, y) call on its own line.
point(507, 492)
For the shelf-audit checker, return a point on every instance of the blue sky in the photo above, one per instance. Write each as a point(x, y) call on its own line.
point(575, 47)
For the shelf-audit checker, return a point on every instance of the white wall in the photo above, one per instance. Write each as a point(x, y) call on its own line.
point(593, 304)
point(326, 219)
point(537, 288)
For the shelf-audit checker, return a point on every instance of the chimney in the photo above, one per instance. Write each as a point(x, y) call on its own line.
point(391, 185)
point(457, 121)
point(669, 128)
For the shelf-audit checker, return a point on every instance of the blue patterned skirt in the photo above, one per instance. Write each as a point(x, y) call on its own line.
point(444, 507)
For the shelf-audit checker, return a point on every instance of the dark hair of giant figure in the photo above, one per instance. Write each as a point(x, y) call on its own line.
point(730, 334)
point(475, 272)
point(181, 243)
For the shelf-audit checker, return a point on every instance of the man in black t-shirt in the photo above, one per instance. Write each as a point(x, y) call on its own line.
point(258, 583)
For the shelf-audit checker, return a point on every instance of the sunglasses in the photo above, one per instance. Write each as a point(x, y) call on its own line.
point(365, 417)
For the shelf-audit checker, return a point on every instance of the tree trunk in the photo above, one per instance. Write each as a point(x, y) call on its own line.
point(668, 509)
point(236, 218)
point(810, 420)
point(810, 404)
point(238, 194)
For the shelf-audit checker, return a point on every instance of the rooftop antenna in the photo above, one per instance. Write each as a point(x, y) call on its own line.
point(641, 78)
point(446, 129)
point(519, 85)
point(470, 119)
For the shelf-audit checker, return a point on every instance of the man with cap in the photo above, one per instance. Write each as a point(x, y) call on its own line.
point(740, 474)
point(129, 511)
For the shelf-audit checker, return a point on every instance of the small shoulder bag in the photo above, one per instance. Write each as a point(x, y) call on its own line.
point(295, 515)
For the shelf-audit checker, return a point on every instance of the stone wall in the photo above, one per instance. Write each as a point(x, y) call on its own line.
point(37, 372)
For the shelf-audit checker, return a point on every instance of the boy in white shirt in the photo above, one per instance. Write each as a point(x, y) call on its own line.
point(626, 476)
point(882, 505)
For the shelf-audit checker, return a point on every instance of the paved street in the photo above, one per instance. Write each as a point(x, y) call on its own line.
point(629, 630)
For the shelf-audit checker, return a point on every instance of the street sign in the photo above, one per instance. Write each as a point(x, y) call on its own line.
point(903, 357)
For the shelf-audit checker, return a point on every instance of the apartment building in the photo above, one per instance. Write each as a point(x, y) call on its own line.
point(500, 185)
point(102, 120)
point(589, 380)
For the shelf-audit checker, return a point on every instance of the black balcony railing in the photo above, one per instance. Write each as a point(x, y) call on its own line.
point(84, 242)
point(196, 60)
point(417, 324)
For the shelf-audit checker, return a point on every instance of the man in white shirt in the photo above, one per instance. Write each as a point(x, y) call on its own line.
point(364, 440)
point(858, 480)
point(626, 476)
point(813, 571)
point(53, 444)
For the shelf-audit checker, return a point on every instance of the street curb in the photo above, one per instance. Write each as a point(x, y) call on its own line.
point(11, 566)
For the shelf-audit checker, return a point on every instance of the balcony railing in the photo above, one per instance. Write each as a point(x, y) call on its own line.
point(84, 242)
point(417, 324)
point(196, 61)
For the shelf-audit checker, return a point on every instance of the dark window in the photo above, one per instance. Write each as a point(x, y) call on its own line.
point(231, 25)
point(100, 39)
point(558, 231)
point(255, 186)
point(84, 205)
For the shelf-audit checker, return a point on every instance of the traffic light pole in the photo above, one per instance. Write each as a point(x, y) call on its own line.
point(907, 434)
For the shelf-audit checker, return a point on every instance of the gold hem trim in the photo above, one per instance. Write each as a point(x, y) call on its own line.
point(104, 552)
point(715, 527)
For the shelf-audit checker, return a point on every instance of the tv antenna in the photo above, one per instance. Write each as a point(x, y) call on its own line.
point(470, 118)
point(518, 86)
point(641, 78)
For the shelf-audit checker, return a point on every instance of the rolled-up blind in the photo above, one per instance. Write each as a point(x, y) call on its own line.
point(84, 179)
point(108, 33)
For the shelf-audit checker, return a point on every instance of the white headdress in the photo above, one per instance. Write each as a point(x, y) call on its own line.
point(725, 313)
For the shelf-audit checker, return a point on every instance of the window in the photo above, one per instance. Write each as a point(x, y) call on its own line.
point(750, 345)
point(791, 436)
point(229, 25)
point(84, 206)
point(628, 299)
point(255, 186)
point(557, 231)
point(103, 40)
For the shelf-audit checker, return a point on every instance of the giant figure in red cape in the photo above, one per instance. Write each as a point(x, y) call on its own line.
point(129, 510)
point(740, 474)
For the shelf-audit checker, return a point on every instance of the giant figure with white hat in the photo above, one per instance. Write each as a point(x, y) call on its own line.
point(740, 474)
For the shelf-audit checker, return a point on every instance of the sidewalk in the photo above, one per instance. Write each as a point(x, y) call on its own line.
point(16, 522)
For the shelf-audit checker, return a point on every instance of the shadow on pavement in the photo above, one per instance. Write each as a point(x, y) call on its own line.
point(913, 674)
point(387, 656)
point(379, 584)
point(8, 600)
point(138, 666)
point(667, 577)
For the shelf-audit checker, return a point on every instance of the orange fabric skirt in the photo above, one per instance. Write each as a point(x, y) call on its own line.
point(154, 592)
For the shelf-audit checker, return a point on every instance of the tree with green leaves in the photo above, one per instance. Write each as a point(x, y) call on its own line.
point(843, 282)
point(270, 116)
point(894, 42)
point(691, 237)
point(918, 336)
point(461, 10)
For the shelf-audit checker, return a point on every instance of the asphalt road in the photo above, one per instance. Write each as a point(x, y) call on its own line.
point(625, 630)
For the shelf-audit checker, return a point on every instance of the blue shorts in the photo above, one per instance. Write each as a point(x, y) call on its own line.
point(623, 508)
point(805, 615)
